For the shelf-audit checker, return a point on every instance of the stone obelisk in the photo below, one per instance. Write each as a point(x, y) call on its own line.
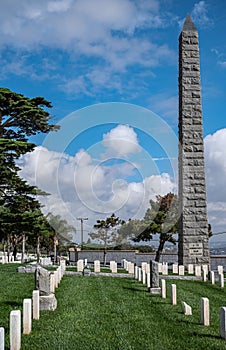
point(193, 245)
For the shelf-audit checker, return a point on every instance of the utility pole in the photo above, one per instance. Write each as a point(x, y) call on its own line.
point(82, 219)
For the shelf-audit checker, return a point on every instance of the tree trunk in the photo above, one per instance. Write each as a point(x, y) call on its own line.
point(105, 256)
point(159, 250)
point(55, 249)
point(14, 251)
point(23, 247)
point(38, 249)
point(8, 247)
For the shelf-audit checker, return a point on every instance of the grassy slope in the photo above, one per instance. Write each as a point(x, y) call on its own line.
point(113, 313)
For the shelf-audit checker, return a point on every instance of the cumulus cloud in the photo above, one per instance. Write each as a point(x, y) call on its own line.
point(215, 157)
point(80, 185)
point(121, 141)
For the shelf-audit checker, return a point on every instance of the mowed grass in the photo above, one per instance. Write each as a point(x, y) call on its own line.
point(104, 313)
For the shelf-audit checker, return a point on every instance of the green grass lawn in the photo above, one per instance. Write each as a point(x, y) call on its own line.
point(104, 313)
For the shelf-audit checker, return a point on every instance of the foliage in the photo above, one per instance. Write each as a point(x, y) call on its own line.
point(21, 116)
point(106, 231)
point(61, 231)
point(162, 219)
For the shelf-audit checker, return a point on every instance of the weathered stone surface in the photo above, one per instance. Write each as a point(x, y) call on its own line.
point(42, 281)
point(154, 274)
point(48, 302)
point(193, 246)
point(223, 322)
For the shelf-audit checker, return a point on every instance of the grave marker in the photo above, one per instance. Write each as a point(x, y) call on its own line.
point(223, 322)
point(181, 270)
point(163, 285)
point(187, 310)
point(154, 271)
point(35, 304)
point(175, 268)
point(173, 294)
point(205, 312)
point(96, 265)
point(27, 322)
point(15, 330)
point(2, 338)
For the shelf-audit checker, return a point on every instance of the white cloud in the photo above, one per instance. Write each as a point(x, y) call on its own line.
point(81, 186)
point(104, 32)
point(215, 158)
point(200, 14)
point(121, 141)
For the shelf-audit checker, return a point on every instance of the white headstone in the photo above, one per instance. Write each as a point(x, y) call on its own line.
point(131, 267)
point(204, 276)
point(2, 338)
point(35, 304)
point(136, 272)
point(205, 268)
point(163, 288)
point(144, 266)
point(173, 294)
point(187, 310)
point(85, 262)
point(15, 330)
point(205, 312)
point(96, 265)
point(221, 279)
point(190, 269)
point(113, 266)
point(139, 274)
point(198, 271)
point(165, 268)
point(52, 283)
point(175, 268)
point(223, 322)
point(143, 276)
point(80, 265)
point(160, 267)
point(181, 270)
point(148, 279)
point(212, 277)
point(27, 322)
point(220, 269)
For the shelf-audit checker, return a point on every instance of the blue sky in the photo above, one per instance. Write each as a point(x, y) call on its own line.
point(81, 54)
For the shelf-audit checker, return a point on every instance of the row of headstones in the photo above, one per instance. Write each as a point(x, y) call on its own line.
point(147, 278)
point(6, 260)
point(127, 265)
point(204, 308)
point(31, 310)
point(198, 270)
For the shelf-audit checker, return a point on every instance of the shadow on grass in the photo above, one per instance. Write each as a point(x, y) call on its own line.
point(10, 303)
point(205, 335)
point(135, 289)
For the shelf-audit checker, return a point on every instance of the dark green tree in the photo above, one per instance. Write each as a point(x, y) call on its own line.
point(107, 232)
point(21, 117)
point(162, 219)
